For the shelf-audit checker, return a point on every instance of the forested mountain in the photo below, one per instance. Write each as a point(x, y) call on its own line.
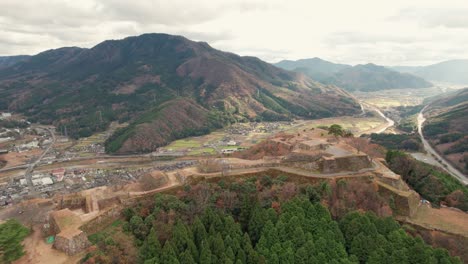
point(316, 68)
point(453, 71)
point(257, 220)
point(368, 77)
point(446, 127)
point(371, 77)
point(166, 86)
point(8, 61)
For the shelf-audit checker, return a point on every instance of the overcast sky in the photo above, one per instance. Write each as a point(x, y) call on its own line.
point(390, 32)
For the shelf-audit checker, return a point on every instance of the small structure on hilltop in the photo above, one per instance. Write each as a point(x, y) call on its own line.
point(68, 237)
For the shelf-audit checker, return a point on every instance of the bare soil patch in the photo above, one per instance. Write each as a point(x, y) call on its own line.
point(445, 219)
point(38, 251)
point(15, 158)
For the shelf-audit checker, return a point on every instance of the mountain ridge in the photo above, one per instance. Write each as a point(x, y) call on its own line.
point(451, 71)
point(122, 80)
point(362, 77)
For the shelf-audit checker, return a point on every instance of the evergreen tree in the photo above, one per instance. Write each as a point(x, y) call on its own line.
point(168, 254)
point(186, 258)
point(151, 248)
point(199, 232)
point(11, 234)
point(205, 253)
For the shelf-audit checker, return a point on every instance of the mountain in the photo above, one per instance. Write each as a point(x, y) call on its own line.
point(371, 77)
point(368, 77)
point(165, 86)
point(315, 68)
point(7, 61)
point(446, 127)
point(453, 71)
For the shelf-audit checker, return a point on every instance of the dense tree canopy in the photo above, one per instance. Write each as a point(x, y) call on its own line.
point(11, 235)
point(201, 226)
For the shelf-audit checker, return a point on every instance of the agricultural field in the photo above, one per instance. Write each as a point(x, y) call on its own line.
point(244, 135)
point(399, 97)
point(95, 142)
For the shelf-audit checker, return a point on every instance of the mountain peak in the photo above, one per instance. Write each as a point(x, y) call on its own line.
point(146, 79)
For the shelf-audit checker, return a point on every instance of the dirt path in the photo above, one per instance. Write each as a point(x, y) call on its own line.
point(39, 252)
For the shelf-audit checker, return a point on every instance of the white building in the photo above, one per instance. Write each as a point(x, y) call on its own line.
point(5, 115)
point(42, 181)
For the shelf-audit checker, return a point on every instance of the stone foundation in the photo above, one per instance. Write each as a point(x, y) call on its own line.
point(347, 163)
point(72, 243)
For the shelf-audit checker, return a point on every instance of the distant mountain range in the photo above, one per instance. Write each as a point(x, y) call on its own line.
point(453, 71)
point(167, 87)
point(367, 78)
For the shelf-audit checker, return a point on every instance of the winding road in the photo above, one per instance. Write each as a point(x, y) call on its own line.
point(381, 128)
point(439, 159)
point(444, 164)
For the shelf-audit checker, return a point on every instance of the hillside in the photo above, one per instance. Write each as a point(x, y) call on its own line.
point(8, 61)
point(371, 77)
point(453, 71)
point(315, 68)
point(259, 220)
point(446, 127)
point(368, 77)
point(143, 79)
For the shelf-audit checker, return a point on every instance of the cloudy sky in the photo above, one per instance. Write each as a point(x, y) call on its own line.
point(397, 32)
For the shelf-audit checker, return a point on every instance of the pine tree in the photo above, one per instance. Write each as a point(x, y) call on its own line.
point(11, 235)
point(151, 248)
point(199, 232)
point(205, 253)
point(168, 254)
point(186, 258)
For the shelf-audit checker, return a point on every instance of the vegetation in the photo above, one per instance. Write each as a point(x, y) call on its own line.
point(335, 130)
point(409, 142)
point(11, 123)
point(133, 80)
point(367, 77)
point(263, 220)
point(429, 181)
point(408, 115)
point(449, 127)
point(12, 234)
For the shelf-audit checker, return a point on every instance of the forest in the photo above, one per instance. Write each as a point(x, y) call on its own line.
point(12, 234)
point(430, 182)
point(255, 220)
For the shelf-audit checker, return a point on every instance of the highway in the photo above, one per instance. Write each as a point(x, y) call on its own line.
point(444, 164)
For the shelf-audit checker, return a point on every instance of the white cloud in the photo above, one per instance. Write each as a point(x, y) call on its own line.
point(360, 31)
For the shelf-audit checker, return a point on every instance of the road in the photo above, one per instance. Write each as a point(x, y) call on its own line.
point(444, 164)
point(381, 128)
point(28, 173)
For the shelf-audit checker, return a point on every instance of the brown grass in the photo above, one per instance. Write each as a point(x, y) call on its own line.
point(447, 219)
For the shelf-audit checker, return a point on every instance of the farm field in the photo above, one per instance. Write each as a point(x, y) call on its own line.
point(399, 97)
point(244, 135)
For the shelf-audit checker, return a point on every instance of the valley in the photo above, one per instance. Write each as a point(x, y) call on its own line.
point(160, 149)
